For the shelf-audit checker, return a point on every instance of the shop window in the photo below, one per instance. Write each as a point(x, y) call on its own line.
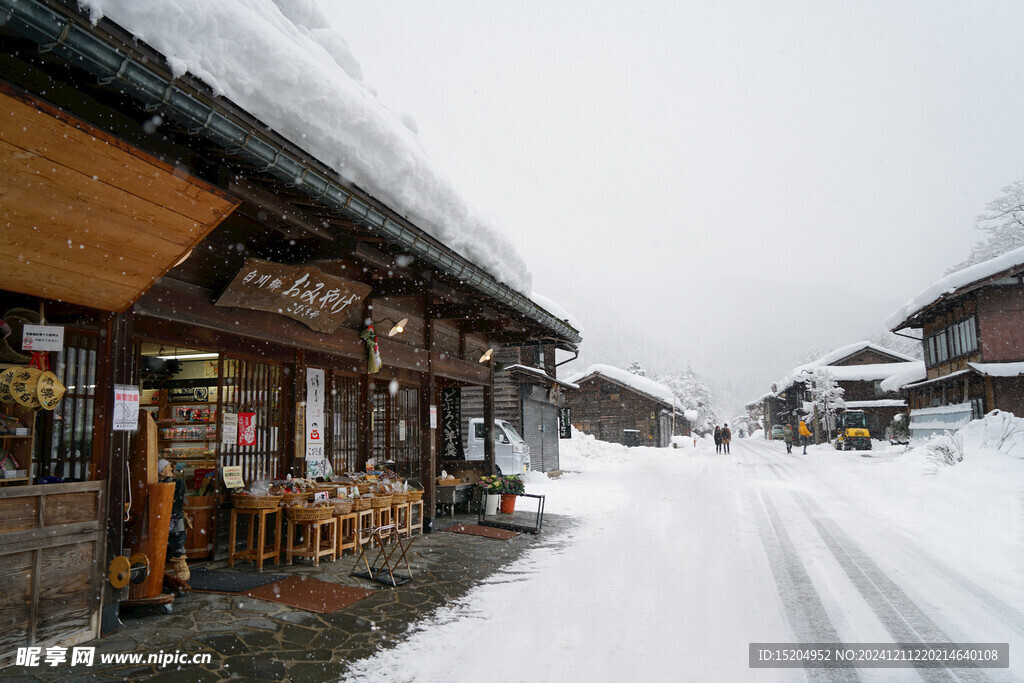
point(257, 388)
point(977, 408)
point(344, 421)
point(396, 431)
point(67, 447)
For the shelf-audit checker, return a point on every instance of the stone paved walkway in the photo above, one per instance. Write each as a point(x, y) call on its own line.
point(258, 640)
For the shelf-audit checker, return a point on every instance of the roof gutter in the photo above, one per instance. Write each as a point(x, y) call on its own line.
point(57, 33)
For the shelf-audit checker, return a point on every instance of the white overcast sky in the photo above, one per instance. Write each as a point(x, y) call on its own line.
point(713, 175)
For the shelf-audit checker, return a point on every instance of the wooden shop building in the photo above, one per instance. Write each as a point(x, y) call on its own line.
point(191, 266)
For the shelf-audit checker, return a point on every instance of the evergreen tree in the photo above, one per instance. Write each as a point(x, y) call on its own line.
point(636, 368)
point(692, 393)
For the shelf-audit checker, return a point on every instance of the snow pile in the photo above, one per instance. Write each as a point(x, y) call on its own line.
point(281, 61)
point(952, 282)
point(999, 369)
point(636, 382)
point(556, 310)
point(900, 379)
point(584, 452)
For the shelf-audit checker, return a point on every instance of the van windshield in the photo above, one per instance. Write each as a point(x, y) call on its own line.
point(512, 433)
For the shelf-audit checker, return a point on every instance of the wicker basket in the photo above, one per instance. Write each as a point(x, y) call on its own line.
point(365, 488)
point(294, 498)
point(343, 506)
point(399, 498)
point(297, 513)
point(380, 501)
point(360, 504)
point(451, 481)
point(248, 502)
point(414, 495)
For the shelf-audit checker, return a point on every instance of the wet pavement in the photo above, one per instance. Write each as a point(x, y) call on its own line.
point(258, 640)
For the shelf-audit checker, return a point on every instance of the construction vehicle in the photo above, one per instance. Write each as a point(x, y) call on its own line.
point(853, 431)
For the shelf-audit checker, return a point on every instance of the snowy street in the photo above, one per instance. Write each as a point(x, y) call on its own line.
point(683, 557)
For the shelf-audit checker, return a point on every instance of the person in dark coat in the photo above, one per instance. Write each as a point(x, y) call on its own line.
point(726, 437)
point(787, 436)
point(718, 439)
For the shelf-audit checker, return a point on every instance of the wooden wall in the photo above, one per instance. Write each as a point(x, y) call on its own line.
point(606, 413)
point(1001, 323)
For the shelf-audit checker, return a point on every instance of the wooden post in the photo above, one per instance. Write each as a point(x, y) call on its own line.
point(428, 434)
point(489, 421)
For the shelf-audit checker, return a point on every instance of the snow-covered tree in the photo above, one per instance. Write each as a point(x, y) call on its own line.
point(636, 368)
point(826, 395)
point(899, 344)
point(692, 393)
point(1003, 221)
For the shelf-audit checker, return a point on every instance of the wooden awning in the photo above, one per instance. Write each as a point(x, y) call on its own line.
point(86, 218)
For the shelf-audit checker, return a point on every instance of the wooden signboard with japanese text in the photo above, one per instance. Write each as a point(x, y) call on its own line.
point(319, 301)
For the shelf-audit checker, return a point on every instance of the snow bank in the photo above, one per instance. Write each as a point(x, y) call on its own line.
point(952, 282)
point(283, 62)
point(641, 384)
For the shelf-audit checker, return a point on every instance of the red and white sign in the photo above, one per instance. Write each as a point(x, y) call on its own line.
point(247, 429)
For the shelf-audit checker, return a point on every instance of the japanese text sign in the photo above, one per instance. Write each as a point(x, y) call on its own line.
point(319, 301)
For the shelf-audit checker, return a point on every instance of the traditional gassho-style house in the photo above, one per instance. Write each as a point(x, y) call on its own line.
point(861, 370)
point(617, 406)
point(972, 325)
point(196, 242)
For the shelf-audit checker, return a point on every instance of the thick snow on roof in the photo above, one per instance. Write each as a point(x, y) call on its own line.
point(641, 384)
point(281, 61)
point(912, 373)
point(556, 310)
point(953, 282)
point(999, 369)
point(541, 373)
point(848, 372)
point(877, 403)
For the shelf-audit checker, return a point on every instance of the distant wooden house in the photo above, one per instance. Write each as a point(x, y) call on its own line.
point(860, 370)
point(973, 338)
point(614, 405)
point(528, 395)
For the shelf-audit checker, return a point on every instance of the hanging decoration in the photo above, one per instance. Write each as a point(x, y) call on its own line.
point(369, 337)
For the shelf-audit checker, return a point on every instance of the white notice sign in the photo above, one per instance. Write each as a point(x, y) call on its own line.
point(314, 415)
point(433, 417)
point(42, 338)
point(126, 408)
point(229, 429)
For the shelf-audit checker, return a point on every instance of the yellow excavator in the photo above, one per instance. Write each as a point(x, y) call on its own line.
point(853, 431)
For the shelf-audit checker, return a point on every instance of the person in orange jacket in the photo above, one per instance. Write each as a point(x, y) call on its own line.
point(805, 435)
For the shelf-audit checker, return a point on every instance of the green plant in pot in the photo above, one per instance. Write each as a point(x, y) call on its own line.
point(511, 486)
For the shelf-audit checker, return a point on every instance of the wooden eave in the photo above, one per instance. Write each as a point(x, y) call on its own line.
point(944, 301)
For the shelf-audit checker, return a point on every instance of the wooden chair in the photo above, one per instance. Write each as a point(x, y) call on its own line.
point(257, 528)
point(348, 536)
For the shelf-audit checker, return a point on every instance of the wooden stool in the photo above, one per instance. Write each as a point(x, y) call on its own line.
point(400, 518)
point(347, 536)
point(415, 520)
point(257, 520)
point(319, 531)
point(364, 527)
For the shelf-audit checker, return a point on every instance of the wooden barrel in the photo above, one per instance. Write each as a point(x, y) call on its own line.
point(199, 539)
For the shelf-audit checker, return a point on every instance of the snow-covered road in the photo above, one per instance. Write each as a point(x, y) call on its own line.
point(681, 558)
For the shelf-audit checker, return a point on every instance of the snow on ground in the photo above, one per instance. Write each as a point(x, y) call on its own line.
point(681, 557)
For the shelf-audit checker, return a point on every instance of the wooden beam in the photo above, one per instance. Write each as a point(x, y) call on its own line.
point(275, 207)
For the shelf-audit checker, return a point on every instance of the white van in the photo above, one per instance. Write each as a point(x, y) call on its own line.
point(511, 454)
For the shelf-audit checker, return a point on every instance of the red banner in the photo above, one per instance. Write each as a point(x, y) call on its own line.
point(247, 429)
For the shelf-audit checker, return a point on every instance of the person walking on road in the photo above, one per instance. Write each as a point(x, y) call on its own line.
point(726, 437)
point(787, 436)
point(805, 435)
point(718, 439)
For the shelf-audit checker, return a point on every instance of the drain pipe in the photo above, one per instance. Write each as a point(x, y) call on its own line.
point(56, 33)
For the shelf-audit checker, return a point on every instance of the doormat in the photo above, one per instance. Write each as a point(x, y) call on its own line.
point(309, 594)
point(380, 575)
point(210, 581)
point(477, 530)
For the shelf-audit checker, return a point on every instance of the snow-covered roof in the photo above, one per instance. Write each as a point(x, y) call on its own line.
point(877, 403)
point(640, 384)
point(871, 372)
point(952, 375)
point(556, 310)
point(999, 369)
point(281, 61)
point(541, 373)
point(900, 379)
point(949, 284)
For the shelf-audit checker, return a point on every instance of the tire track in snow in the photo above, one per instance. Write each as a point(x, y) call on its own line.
point(800, 601)
point(1006, 612)
point(904, 620)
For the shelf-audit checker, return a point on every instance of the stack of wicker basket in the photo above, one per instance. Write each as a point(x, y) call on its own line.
point(343, 506)
point(381, 500)
point(309, 513)
point(245, 501)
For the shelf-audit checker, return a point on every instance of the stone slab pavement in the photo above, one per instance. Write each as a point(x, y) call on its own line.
point(254, 639)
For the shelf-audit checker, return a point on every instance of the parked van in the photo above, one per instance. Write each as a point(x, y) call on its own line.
point(511, 454)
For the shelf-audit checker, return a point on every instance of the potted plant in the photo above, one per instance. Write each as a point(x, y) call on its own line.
point(491, 486)
point(511, 486)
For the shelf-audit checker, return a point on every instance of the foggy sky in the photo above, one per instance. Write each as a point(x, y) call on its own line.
point(730, 182)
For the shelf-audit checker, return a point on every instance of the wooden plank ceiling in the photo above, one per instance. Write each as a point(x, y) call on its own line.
point(86, 218)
